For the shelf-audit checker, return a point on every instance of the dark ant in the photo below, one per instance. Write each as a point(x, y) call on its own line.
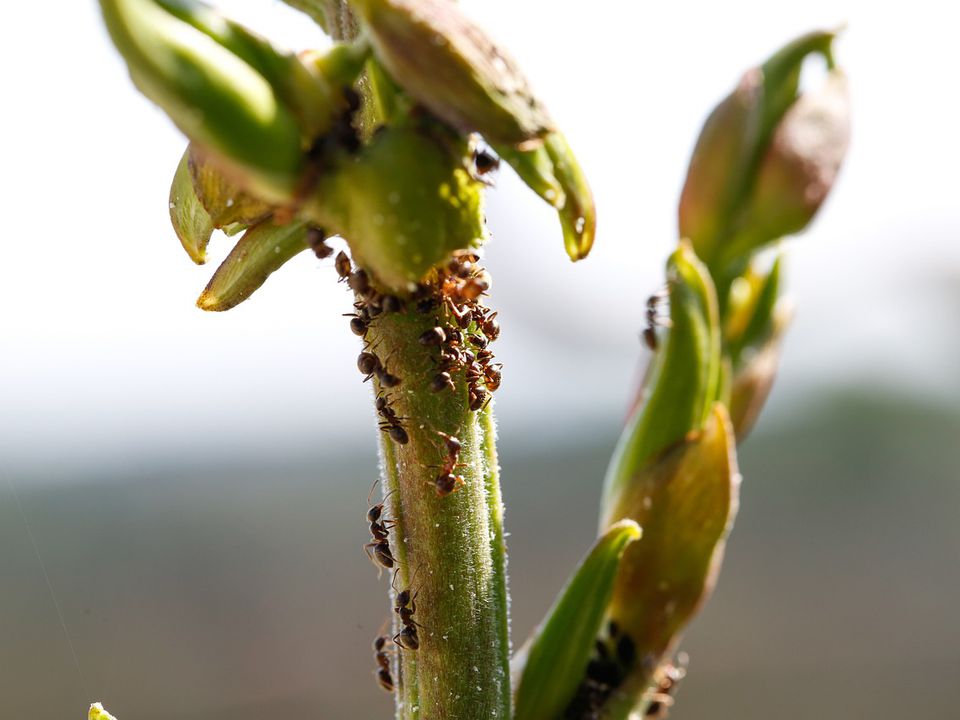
point(384, 677)
point(316, 239)
point(380, 531)
point(485, 161)
point(396, 433)
point(406, 606)
point(654, 319)
point(368, 364)
point(358, 325)
point(343, 265)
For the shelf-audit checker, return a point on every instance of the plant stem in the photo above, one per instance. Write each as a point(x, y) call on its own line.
point(449, 549)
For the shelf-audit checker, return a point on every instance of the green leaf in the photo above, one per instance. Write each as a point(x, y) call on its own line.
point(189, 218)
point(561, 649)
point(682, 384)
point(212, 94)
point(551, 170)
point(261, 251)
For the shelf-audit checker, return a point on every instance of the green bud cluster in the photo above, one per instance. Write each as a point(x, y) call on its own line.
point(276, 138)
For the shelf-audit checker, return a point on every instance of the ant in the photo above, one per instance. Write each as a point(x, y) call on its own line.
point(316, 239)
point(384, 677)
point(343, 266)
point(446, 482)
point(406, 606)
point(380, 531)
point(654, 318)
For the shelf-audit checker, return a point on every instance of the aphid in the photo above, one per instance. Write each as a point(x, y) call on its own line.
point(479, 341)
point(441, 381)
point(478, 399)
point(434, 337)
point(316, 239)
point(492, 376)
point(343, 265)
point(391, 304)
point(490, 327)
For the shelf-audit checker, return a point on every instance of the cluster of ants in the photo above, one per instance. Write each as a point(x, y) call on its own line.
point(378, 550)
point(612, 660)
point(461, 331)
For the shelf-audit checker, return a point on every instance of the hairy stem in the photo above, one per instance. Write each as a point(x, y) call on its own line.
point(450, 549)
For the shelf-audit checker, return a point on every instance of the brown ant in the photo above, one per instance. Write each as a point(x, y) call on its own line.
point(343, 265)
point(446, 482)
point(384, 677)
point(406, 606)
point(485, 162)
point(316, 239)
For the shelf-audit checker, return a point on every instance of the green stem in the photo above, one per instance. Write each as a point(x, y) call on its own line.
point(449, 549)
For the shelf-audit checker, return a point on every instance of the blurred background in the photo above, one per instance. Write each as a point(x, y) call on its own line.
point(182, 494)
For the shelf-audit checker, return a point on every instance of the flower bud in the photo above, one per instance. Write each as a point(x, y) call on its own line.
point(551, 170)
point(261, 250)
point(226, 89)
point(681, 385)
point(686, 502)
point(451, 67)
point(404, 202)
point(764, 160)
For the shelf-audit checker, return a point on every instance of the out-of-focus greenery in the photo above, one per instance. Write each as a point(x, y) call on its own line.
point(220, 593)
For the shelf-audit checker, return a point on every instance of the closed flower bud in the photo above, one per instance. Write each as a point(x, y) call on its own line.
point(681, 385)
point(686, 502)
point(261, 250)
point(765, 159)
point(213, 95)
point(551, 170)
point(454, 69)
point(404, 202)
point(755, 371)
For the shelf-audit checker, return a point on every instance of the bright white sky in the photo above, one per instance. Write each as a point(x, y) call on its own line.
point(104, 359)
